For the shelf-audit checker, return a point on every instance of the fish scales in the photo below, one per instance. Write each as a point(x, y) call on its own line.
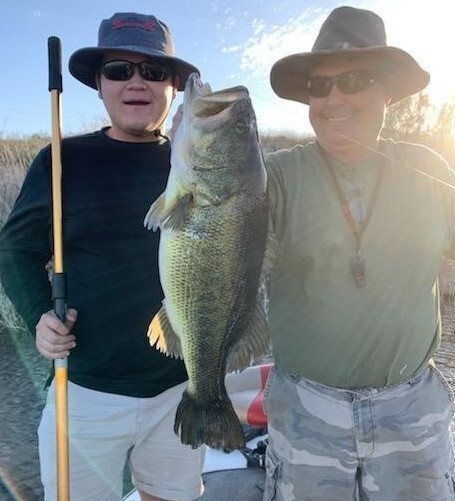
point(213, 220)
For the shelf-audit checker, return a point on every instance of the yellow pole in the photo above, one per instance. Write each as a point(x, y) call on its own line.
point(58, 279)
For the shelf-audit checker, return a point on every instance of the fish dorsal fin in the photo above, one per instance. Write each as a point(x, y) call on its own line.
point(172, 216)
point(254, 342)
point(162, 335)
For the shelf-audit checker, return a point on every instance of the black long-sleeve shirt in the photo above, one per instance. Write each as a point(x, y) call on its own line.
point(110, 259)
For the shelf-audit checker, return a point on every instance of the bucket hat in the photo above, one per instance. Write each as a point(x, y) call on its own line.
point(130, 32)
point(349, 31)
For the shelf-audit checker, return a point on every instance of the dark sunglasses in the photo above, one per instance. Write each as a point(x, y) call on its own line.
point(349, 82)
point(124, 70)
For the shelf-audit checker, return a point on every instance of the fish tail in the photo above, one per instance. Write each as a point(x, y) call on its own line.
point(213, 423)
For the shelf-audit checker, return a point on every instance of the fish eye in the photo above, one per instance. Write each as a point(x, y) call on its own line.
point(242, 126)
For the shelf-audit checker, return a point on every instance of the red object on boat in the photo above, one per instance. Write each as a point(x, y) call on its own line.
point(246, 391)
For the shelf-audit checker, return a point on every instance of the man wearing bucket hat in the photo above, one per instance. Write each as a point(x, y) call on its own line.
point(356, 409)
point(122, 394)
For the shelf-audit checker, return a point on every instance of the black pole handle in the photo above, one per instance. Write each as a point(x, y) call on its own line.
point(59, 295)
point(55, 64)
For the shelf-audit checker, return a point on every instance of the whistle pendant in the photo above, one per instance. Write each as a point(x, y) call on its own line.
point(358, 270)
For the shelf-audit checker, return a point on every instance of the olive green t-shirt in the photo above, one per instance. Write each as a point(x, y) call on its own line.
point(323, 326)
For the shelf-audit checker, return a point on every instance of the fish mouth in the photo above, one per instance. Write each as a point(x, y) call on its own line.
point(200, 102)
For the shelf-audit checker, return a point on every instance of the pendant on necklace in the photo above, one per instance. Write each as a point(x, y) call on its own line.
point(358, 270)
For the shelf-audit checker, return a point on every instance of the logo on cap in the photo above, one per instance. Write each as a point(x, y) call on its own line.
point(148, 25)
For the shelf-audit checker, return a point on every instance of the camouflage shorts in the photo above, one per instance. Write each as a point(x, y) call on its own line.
point(374, 444)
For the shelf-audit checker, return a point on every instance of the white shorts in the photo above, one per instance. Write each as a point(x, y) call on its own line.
point(106, 430)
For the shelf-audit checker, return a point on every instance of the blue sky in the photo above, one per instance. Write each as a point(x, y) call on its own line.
point(232, 42)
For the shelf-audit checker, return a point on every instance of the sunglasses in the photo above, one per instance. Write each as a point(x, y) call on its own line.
point(124, 70)
point(349, 82)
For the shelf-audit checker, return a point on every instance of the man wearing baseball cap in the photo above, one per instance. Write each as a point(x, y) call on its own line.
point(356, 408)
point(122, 393)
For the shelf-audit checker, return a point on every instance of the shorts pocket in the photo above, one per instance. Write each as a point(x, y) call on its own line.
point(268, 384)
point(451, 483)
point(272, 468)
point(444, 383)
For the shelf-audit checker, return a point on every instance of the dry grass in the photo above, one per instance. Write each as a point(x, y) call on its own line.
point(15, 158)
point(275, 142)
point(9, 318)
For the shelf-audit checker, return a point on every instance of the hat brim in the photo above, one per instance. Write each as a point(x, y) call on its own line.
point(401, 72)
point(84, 63)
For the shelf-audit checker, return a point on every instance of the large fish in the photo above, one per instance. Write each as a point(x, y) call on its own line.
point(213, 219)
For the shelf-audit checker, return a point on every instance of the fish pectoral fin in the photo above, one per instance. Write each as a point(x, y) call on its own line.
point(176, 215)
point(162, 335)
point(172, 217)
point(155, 215)
point(253, 343)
